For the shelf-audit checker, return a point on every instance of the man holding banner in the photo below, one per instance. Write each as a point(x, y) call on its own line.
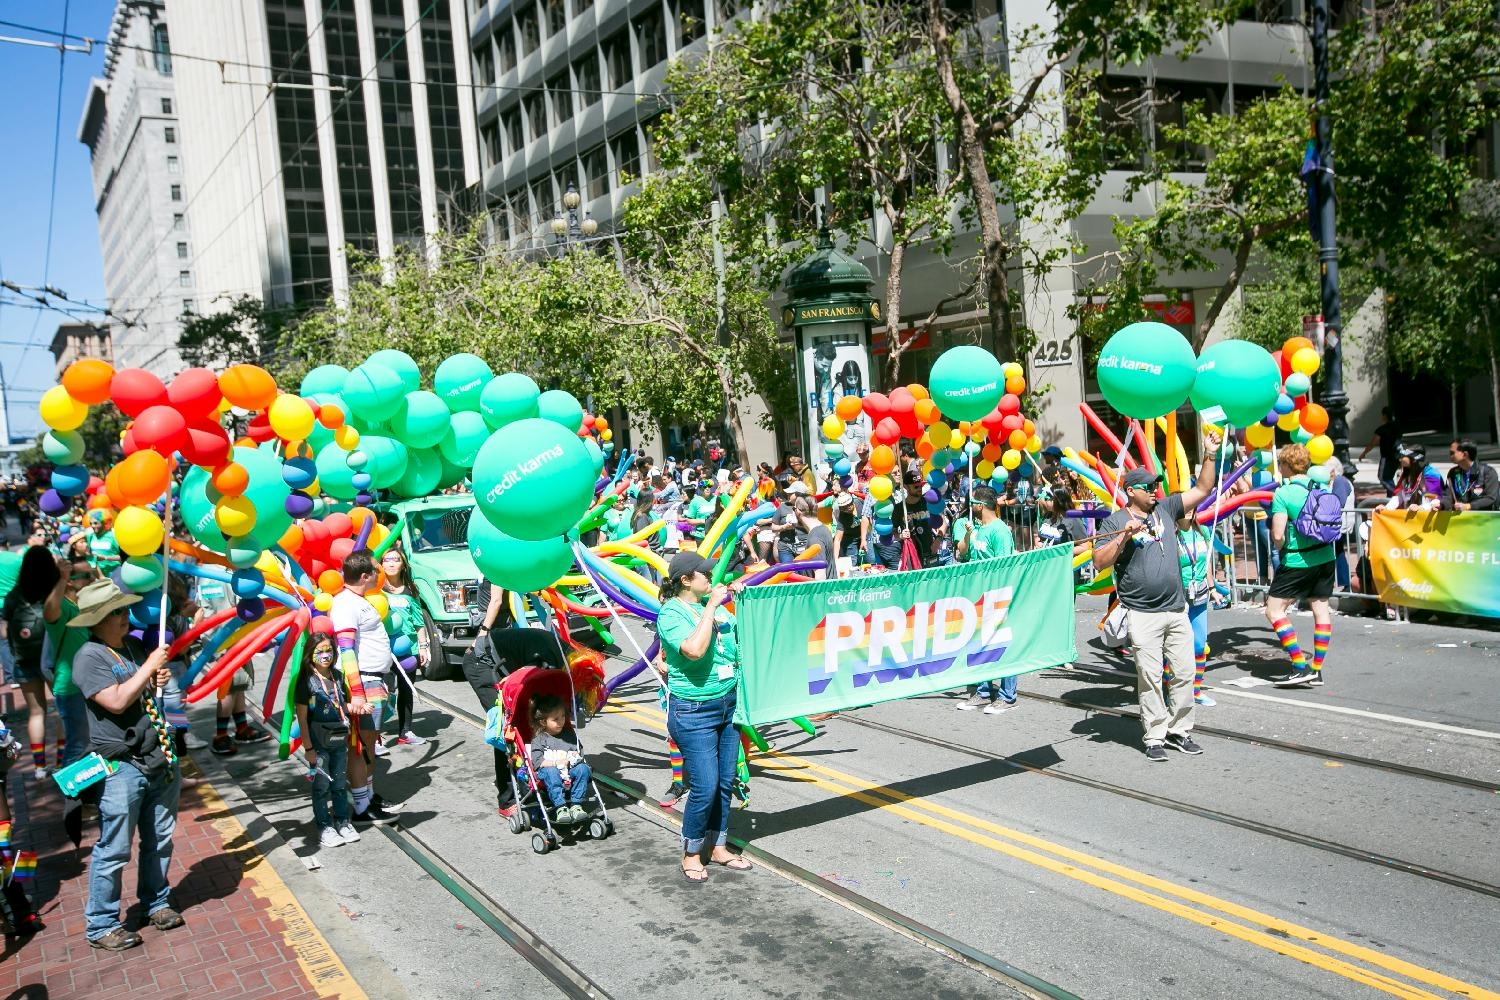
point(991, 540)
point(1148, 581)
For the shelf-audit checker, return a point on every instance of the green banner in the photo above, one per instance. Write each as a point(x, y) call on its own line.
point(839, 644)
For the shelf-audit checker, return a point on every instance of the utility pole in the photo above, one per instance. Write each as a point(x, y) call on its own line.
point(1335, 400)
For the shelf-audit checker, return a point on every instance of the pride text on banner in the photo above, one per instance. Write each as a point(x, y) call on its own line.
point(1437, 561)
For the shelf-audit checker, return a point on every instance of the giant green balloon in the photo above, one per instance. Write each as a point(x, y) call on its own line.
point(966, 382)
point(562, 408)
point(387, 459)
point(452, 474)
point(421, 421)
point(534, 479)
point(334, 475)
point(460, 381)
point(424, 470)
point(374, 393)
point(466, 434)
point(1146, 370)
point(401, 363)
point(267, 492)
point(1240, 377)
point(513, 563)
point(324, 378)
point(508, 398)
point(596, 454)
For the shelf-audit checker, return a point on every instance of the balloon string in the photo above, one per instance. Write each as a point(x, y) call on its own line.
point(1114, 499)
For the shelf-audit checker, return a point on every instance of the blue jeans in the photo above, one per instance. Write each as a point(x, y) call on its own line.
point(331, 783)
point(1004, 688)
point(577, 791)
point(130, 802)
point(704, 732)
point(74, 713)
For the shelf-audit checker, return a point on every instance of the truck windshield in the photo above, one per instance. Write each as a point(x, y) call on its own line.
point(427, 531)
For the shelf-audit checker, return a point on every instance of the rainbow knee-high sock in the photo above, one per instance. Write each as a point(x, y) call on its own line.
point(1200, 660)
point(1321, 635)
point(1287, 636)
point(675, 755)
point(39, 755)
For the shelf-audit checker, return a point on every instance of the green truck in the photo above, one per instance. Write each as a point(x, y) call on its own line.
point(436, 541)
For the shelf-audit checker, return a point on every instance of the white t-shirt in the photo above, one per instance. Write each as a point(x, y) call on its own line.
point(372, 647)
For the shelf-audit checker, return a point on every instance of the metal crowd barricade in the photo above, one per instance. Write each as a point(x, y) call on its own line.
point(1253, 558)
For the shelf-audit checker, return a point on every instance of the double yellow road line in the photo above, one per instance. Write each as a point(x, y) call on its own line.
point(1261, 929)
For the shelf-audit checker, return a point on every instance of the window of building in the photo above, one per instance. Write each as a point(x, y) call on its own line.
point(185, 279)
point(690, 21)
point(173, 166)
point(161, 49)
point(177, 220)
point(560, 90)
point(1172, 101)
point(651, 36)
point(484, 66)
point(518, 213)
point(528, 29)
point(617, 58)
point(1123, 108)
point(544, 197)
point(505, 41)
point(586, 73)
point(627, 152)
point(169, 135)
point(176, 192)
point(557, 16)
point(166, 105)
point(491, 135)
point(182, 251)
point(595, 172)
point(536, 114)
point(510, 124)
point(579, 6)
point(187, 307)
point(1268, 11)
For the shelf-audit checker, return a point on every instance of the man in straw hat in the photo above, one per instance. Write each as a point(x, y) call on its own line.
point(127, 725)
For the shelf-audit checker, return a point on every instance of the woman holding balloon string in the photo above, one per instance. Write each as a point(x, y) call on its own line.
point(400, 594)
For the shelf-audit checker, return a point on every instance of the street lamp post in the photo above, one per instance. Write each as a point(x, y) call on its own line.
point(572, 227)
point(1335, 400)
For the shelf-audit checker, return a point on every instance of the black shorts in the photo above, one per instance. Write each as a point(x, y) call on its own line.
point(1315, 583)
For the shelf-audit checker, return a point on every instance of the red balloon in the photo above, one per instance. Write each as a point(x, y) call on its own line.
point(902, 399)
point(876, 405)
point(135, 389)
point(195, 392)
point(339, 550)
point(315, 538)
point(1012, 422)
point(95, 485)
point(1283, 365)
point(887, 431)
point(205, 444)
point(339, 525)
point(127, 442)
point(259, 428)
point(991, 421)
point(160, 428)
point(910, 426)
point(1010, 403)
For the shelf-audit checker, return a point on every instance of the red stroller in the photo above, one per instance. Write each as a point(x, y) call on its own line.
point(533, 808)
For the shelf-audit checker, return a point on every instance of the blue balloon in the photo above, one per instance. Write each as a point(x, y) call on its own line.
point(147, 611)
point(70, 480)
point(1284, 404)
point(247, 582)
point(842, 467)
point(299, 473)
point(1269, 420)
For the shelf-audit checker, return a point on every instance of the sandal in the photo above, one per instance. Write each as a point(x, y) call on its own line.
point(735, 864)
point(695, 876)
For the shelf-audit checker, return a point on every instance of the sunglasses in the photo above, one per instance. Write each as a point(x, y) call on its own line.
point(118, 613)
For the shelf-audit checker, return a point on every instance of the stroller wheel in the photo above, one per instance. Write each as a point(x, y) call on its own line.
point(517, 822)
point(598, 829)
point(539, 843)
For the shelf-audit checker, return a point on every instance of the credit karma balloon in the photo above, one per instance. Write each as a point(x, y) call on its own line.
point(1240, 377)
point(324, 378)
point(508, 398)
point(533, 479)
point(421, 421)
point(517, 564)
point(374, 393)
point(467, 433)
point(561, 408)
point(460, 381)
point(402, 364)
point(966, 382)
point(424, 470)
point(1146, 370)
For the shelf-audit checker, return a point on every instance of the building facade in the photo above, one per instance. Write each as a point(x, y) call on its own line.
point(136, 142)
point(80, 340)
point(329, 124)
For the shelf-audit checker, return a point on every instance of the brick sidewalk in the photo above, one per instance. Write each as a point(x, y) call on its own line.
point(246, 935)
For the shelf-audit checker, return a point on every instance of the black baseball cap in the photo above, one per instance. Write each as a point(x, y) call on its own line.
point(688, 563)
point(1139, 477)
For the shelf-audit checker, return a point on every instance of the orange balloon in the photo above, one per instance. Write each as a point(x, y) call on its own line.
point(99, 501)
point(232, 480)
point(143, 477)
point(991, 452)
point(249, 387)
point(358, 516)
point(848, 407)
point(246, 442)
point(330, 416)
point(926, 412)
point(601, 424)
point(1018, 439)
point(330, 581)
point(87, 380)
point(882, 459)
point(1314, 419)
point(1293, 345)
point(964, 428)
point(1028, 427)
point(291, 539)
point(1015, 385)
point(925, 447)
point(918, 391)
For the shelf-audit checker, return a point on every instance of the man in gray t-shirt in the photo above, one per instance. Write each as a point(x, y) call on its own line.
point(1139, 542)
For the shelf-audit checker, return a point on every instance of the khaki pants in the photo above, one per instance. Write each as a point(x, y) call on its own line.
point(1159, 636)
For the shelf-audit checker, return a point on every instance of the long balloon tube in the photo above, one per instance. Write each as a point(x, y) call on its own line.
point(646, 556)
point(614, 597)
point(573, 607)
point(810, 566)
point(198, 552)
point(289, 709)
point(1148, 456)
point(721, 566)
point(1107, 477)
point(1083, 557)
point(391, 538)
point(1235, 503)
point(299, 575)
point(644, 533)
point(278, 668)
point(731, 511)
point(186, 639)
point(580, 552)
point(209, 573)
point(1105, 433)
point(622, 577)
point(232, 661)
point(210, 647)
point(1084, 472)
point(1229, 480)
point(362, 539)
point(634, 670)
point(1146, 444)
point(745, 520)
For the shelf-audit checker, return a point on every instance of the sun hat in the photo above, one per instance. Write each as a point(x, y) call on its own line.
point(97, 600)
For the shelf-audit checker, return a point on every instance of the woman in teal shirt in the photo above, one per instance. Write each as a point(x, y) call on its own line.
point(703, 658)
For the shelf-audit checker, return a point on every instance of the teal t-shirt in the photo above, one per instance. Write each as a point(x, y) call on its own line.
point(991, 541)
point(699, 509)
point(66, 642)
point(714, 674)
point(10, 569)
point(1299, 551)
point(1193, 555)
point(411, 615)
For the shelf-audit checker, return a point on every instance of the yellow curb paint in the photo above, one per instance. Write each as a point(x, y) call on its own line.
point(329, 977)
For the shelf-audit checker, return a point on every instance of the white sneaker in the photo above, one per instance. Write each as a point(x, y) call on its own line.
point(348, 834)
point(381, 751)
point(1205, 701)
point(998, 706)
point(330, 838)
point(411, 739)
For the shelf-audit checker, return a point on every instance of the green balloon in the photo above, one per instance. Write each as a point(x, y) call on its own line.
point(387, 460)
point(596, 456)
point(334, 475)
point(1146, 370)
point(533, 479)
point(460, 382)
point(324, 378)
point(422, 420)
point(373, 393)
point(142, 573)
point(452, 474)
point(508, 398)
point(63, 447)
point(466, 434)
point(513, 563)
point(1239, 377)
point(561, 408)
point(401, 363)
point(1300, 436)
point(424, 469)
point(966, 382)
point(267, 492)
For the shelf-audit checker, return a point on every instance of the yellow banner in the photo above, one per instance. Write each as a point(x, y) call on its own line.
point(1438, 561)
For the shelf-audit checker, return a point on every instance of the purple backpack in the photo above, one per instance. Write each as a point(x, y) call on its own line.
point(1321, 517)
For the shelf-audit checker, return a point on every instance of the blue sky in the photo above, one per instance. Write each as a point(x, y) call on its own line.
point(28, 78)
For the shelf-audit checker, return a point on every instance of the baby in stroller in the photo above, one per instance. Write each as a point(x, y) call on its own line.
point(557, 760)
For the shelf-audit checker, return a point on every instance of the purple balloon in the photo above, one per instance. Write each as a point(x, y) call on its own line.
point(250, 608)
point(931, 496)
point(299, 504)
point(53, 503)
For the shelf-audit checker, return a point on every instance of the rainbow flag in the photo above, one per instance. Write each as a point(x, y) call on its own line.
point(24, 866)
point(4, 833)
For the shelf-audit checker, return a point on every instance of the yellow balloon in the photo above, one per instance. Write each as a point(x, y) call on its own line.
point(606, 435)
point(235, 516)
point(346, 437)
point(1011, 459)
point(1289, 421)
point(1033, 444)
point(833, 427)
point(138, 531)
point(291, 418)
point(1306, 361)
point(881, 487)
point(985, 469)
point(379, 603)
point(1259, 436)
point(323, 602)
point(940, 435)
point(1012, 369)
point(60, 411)
point(267, 564)
point(978, 434)
point(1320, 448)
